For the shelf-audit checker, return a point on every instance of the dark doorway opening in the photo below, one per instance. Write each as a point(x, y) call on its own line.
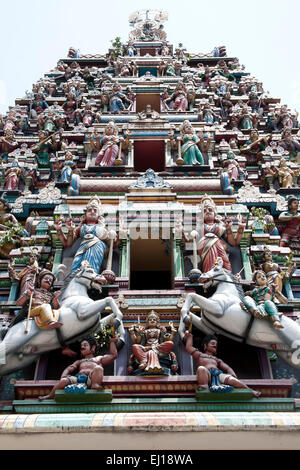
point(149, 154)
point(150, 264)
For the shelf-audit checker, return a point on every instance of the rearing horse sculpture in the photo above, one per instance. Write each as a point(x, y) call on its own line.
point(222, 313)
point(79, 314)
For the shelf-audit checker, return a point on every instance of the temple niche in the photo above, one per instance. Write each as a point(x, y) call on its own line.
point(149, 197)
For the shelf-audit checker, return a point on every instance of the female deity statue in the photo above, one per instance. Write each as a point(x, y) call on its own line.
point(291, 220)
point(111, 145)
point(191, 142)
point(212, 230)
point(179, 98)
point(92, 233)
point(151, 343)
point(7, 144)
point(233, 168)
point(271, 269)
point(246, 120)
point(67, 168)
point(288, 143)
point(69, 106)
point(12, 177)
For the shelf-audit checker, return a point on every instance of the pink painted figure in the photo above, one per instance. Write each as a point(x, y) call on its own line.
point(211, 246)
point(12, 177)
point(291, 220)
point(110, 146)
point(149, 343)
point(179, 98)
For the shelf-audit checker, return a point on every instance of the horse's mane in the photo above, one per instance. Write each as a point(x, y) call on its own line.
point(67, 281)
point(237, 284)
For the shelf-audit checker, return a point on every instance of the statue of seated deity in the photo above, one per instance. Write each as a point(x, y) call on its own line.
point(152, 349)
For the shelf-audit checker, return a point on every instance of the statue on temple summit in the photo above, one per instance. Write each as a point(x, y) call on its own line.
point(211, 247)
point(111, 146)
point(291, 220)
point(92, 233)
point(212, 373)
point(88, 370)
point(152, 346)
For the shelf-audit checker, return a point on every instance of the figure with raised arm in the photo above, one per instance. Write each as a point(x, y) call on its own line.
point(88, 370)
point(213, 373)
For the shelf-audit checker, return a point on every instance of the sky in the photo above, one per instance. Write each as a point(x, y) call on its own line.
point(263, 34)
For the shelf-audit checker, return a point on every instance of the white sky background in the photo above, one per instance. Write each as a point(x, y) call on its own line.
point(263, 34)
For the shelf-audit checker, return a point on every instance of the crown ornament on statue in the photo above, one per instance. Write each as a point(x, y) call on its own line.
point(95, 202)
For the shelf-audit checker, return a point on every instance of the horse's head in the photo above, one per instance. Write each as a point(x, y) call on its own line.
point(89, 278)
point(215, 275)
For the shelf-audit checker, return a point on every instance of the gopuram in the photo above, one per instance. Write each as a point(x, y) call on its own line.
point(149, 243)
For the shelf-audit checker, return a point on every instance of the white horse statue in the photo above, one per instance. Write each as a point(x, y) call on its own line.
point(79, 314)
point(222, 314)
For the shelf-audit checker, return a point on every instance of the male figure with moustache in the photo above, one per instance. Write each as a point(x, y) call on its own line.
point(210, 366)
point(89, 366)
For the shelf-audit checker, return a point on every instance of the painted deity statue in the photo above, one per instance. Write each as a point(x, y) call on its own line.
point(212, 373)
point(118, 100)
point(260, 301)
point(26, 277)
point(46, 317)
point(7, 144)
point(44, 148)
point(92, 234)
point(212, 230)
point(111, 145)
point(88, 370)
point(12, 176)
point(291, 220)
point(286, 175)
point(179, 98)
point(67, 168)
point(289, 143)
point(152, 343)
point(190, 145)
point(271, 269)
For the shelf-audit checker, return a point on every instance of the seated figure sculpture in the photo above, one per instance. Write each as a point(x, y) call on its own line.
point(41, 299)
point(88, 370)
point(262, 305)
point(212, 373)
point(152, 348)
